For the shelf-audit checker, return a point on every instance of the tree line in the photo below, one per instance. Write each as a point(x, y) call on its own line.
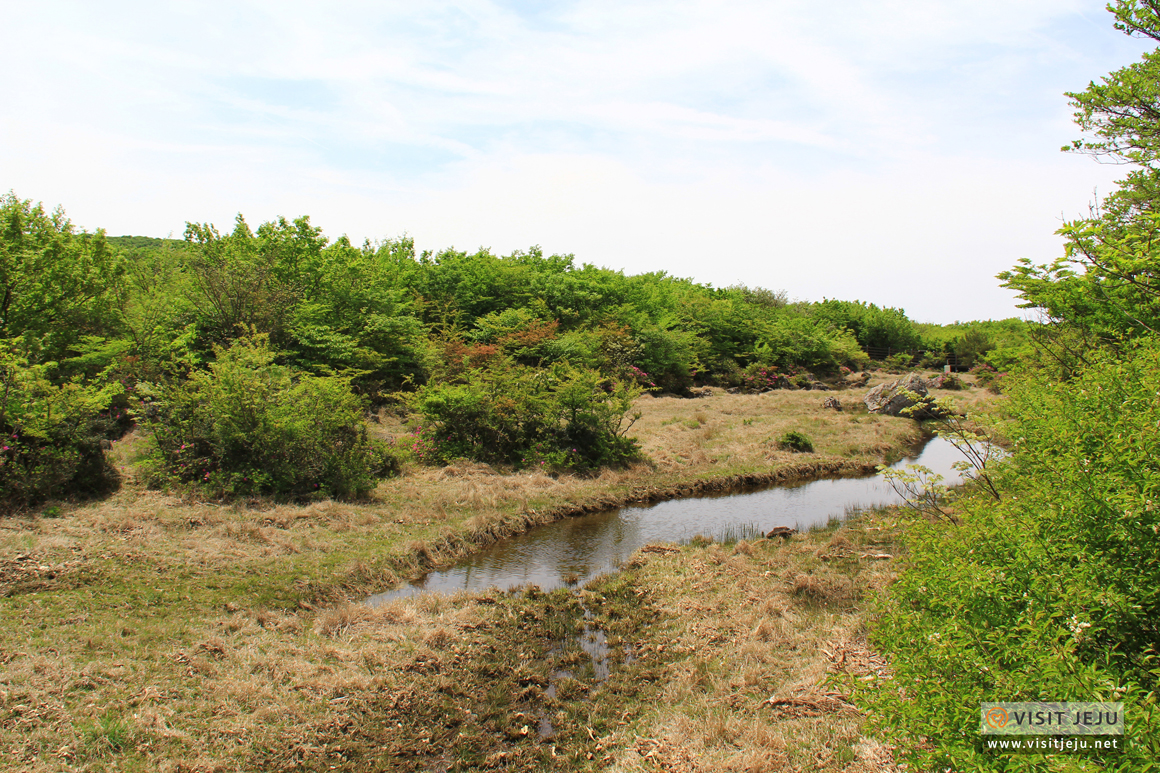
point(513, 359)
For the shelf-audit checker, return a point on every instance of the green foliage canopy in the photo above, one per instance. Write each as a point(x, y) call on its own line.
point(56, 285)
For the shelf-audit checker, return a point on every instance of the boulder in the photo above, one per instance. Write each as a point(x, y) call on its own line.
point(889, 398)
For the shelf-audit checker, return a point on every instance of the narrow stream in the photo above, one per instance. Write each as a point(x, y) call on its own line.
point(572, 551)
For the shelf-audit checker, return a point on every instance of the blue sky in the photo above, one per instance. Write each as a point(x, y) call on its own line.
point(893, 151)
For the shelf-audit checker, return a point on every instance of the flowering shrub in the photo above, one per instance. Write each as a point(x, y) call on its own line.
point(946, 381)
point(760, 378)
point(983, 373)
point(988, 377)
point(640, 378)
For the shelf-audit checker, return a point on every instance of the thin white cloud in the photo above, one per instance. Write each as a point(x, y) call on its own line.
point(857, 149)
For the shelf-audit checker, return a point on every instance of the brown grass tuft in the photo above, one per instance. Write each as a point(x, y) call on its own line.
point(336, 621)
point(824, 588)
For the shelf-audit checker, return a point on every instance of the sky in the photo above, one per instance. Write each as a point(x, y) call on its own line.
point(900, 152)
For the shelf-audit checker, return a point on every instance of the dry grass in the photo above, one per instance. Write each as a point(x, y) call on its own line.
point(146, 632)
point(756, 631)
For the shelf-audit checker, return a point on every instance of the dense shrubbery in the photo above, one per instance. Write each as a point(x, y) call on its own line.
point(51, 434)
point(560, 417)
point(761, 378)
point(249, 426)
point(56, 285)
point(1052, 593)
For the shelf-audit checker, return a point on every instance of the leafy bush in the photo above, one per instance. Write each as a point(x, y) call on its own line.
point(1053, 591)
point(878, 328)
point(668, 357)
point(51, 435)
point(249, 426)
point(898, 362)
point(800, 341)
point(1007, 358)
point(560, 417)
point(795, 441)
point(983, 374)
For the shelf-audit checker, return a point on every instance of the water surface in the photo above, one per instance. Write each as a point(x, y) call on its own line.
point(574, 550)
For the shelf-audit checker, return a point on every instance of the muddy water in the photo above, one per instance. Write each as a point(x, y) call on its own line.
point(574, 550)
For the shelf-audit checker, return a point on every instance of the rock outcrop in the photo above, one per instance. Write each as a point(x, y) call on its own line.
point(894, 397)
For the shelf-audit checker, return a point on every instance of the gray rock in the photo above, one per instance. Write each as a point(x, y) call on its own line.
point(889, 398)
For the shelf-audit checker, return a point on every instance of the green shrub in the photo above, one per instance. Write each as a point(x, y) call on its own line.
point(898, 362)
point(56, 284)
point(801, 380)
point(249, 426)
point(51, 435)
point(803, 342)
point(983, 374)
point(795, 441)
point(560, 417)
point(1051, 593)
point(669, 357)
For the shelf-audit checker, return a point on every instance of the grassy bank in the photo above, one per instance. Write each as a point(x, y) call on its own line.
point(145, 632)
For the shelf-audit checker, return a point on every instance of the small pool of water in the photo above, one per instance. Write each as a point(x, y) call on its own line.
point(572, 551)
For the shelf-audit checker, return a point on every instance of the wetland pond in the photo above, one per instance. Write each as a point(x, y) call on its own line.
point(574, 550)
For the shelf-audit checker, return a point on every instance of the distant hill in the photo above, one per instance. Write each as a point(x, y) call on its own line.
point(143, 242)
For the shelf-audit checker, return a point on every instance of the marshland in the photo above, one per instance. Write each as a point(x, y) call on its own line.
point(150, 630)
point(215, 452)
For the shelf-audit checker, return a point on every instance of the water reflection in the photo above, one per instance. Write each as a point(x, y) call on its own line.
point(574, 550)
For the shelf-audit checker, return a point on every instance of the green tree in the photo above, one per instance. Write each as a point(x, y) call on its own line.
point(56, 284)
point(875, 328)
point(1107, 284)
point(244, 282)
point(353, 315)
